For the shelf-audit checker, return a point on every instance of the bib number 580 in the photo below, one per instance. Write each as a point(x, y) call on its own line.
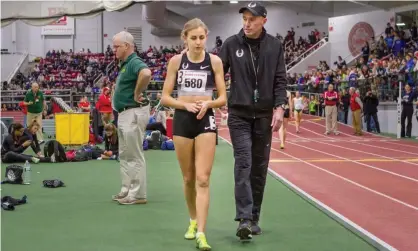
point(193, 83)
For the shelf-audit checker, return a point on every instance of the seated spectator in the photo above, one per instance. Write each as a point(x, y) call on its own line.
point(18, 141)
point(158, 121)
point(111, 142)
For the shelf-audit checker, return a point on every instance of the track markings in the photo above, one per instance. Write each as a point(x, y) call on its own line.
point(340, 160)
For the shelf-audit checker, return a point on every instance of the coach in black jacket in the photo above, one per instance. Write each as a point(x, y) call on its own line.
point(255, 106)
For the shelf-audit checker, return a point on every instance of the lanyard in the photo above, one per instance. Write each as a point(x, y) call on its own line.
point(256, 95)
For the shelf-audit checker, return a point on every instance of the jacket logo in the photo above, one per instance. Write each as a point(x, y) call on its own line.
point(185, 66)
point(239, 53)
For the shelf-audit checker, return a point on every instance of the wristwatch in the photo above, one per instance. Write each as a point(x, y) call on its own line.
point(283, 106)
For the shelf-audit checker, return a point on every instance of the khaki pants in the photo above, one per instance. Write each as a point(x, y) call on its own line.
point(131, 131)
point(38, 117)
point(331, 114)
point(356, 115)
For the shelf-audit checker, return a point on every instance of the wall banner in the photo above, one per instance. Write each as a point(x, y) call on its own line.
point(63, 26)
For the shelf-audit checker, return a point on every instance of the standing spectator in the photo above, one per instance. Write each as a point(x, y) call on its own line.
point(345, 100)
point(132, 106)
point(356, 107)
point(408, 98)
point(365, 52)
point(24, 110)
point(389, 29)
point(104, 105)
point(35, 102)
point(84, 104)
point(370, 111)
point(331, 111)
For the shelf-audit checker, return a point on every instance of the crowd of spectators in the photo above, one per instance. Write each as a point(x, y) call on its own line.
point(381, 65)
point(295, 51)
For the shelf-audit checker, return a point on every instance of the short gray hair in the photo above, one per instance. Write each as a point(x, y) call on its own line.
point(125, 37)
point(352, 89)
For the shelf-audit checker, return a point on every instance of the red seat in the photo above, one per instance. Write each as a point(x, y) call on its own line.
point(16, 115)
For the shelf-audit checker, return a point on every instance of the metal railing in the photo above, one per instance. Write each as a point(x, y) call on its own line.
point(97, 79)
point(16, 96)
point(287, 44)
point(109, 67)
point(349, 58)
point(313, 48)
point(22, 59)
point(385, 87)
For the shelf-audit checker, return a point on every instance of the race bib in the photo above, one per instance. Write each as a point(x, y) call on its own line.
point(192, 81)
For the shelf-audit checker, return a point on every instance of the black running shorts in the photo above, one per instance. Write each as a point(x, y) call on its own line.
point(286, 113)
point(185, 123)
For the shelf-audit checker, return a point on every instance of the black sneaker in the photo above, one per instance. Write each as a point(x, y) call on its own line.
point(255, 228)
point(244, 230)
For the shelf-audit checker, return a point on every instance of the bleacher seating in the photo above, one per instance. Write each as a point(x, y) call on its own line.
point(16, 115)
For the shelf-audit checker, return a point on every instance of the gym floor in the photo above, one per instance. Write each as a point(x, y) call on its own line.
point(82, 216)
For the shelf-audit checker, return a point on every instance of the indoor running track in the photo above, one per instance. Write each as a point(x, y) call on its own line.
point(369, 183)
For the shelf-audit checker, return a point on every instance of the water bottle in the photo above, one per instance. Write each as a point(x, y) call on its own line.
point(26, 173)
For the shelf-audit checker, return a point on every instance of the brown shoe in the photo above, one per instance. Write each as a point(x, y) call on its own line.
point(130, 201)
point(119, 196)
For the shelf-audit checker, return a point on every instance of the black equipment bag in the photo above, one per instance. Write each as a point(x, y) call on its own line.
point(55, 147)
point(14, 175)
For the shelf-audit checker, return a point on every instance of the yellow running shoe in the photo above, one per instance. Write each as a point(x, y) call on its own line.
point(201, 242)
point(191, 231)
point(281, 146)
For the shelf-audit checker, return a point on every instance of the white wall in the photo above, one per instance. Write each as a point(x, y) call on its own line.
point(114, 22)
point(29, 38)
point(312, 60)
point(343, 8)
point(7, 38)
point(342, 25)
point(8, 65)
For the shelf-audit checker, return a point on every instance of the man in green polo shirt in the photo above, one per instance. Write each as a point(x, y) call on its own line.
point(36, 104)
point(132, 105)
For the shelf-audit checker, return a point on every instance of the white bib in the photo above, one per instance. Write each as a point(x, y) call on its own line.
point(192, 81)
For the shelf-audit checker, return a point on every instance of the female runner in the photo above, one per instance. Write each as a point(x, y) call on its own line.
point(196, 73)
point(287, 114)
point(298, 108)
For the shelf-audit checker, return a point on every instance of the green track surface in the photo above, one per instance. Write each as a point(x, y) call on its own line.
point(82, 217)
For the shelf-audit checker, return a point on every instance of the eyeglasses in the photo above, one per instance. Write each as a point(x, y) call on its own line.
point(117, 46)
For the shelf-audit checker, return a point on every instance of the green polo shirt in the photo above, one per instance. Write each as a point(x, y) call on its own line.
point(123, 96)
point(37, 100)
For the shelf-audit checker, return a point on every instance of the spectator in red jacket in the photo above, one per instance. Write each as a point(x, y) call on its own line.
point(84, 104)
point(104, 105)
point(24, 109)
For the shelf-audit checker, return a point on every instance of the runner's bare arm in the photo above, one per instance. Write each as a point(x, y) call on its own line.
point(170, 80)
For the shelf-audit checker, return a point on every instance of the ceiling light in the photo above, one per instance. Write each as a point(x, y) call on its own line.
point(400, 24)
point(233, 1)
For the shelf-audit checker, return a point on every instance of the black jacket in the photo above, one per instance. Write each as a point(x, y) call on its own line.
point(10, 145)
point(370, 104)
point(111, 147)
point(345, 99)
point(236, 57)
